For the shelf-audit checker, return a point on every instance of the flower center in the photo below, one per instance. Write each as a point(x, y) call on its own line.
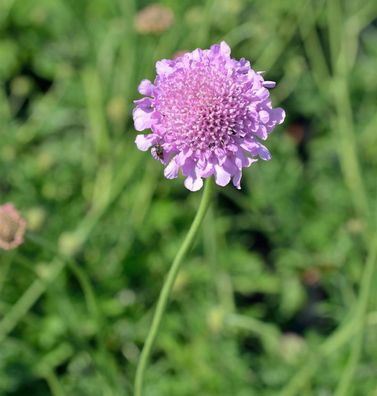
point(201, 107)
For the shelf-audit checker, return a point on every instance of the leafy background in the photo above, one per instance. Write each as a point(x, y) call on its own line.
point(278, 297)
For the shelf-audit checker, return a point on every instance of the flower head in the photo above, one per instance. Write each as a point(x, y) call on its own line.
point(206, 112)
point(12, 227)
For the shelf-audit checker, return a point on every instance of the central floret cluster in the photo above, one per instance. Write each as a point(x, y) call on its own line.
point(206, 111)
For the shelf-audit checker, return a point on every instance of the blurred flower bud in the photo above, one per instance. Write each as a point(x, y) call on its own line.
point(292, 347)
point(69, 243)
point(180, 282)
point(215, 319)
point(35, 218)
point(117, 109)
point(21, 86)
point(154, 18)
point(296, 131)
point(311, 276)
point(12, 227)
point(355, 226)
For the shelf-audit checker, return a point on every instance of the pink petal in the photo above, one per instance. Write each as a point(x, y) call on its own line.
point(171, 171)
point(221, 49)
point(188, 167)
point(264, 116)
point(277, 115)
point(222, 177)
point(255, 148)
point(261, 132)
point(264, 153)
point(233, 165)
point(262, 94)
point(193, 184)
point(205, 168)
point(242, 161)
point(146, 88)
point(196, 54)
point(224, 48)
point(193, 181)
point(144, 142)
point(164, 67)
point(145, 104)
point(269, 84)
point(237, 179)
point(142, 119)
point(229, 165)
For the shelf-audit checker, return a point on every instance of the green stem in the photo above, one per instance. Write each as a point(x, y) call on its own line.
point(167, 287)
point(360, 321)
point(54, 384)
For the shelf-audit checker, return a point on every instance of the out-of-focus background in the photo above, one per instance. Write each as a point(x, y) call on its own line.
point(278, 297)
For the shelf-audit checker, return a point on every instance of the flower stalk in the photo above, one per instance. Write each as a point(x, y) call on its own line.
point(168, 285)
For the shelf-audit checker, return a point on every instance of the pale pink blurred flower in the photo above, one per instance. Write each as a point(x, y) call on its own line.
point(154, 18)
point(12, 227)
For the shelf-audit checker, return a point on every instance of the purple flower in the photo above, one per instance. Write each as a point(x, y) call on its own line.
point(206, 112)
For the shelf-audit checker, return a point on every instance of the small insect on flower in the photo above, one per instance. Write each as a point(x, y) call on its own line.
point(159, 152)
point(12, 227)
point(207, 113)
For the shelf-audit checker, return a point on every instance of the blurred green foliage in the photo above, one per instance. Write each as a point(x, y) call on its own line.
point(278, 296)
